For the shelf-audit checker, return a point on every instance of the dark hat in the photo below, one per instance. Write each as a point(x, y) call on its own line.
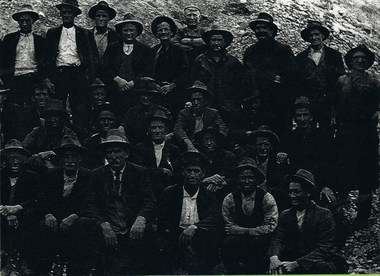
point(265, 131)
point(129, 18)
point(115, 137)
point(70, 142)
point(228, 37)
point(362, 48)
point(191, 7)
point(14, 145)
point(146, 85)
point(158, 20)
point(311, 25)
point(193, 157)
point(98, 83)
point(160, 115)
point(26, 9)
point(248, 163)
point(55, 106)
point(199, 87)
point(70, 3)
point(301, 102)
point(102, 5)
point(301, 175)
point(106, 107)
point(213, 130)
point(264, 17)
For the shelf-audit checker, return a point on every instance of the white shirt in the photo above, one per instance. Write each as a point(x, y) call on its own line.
point(189, 214)
point(67, 49)
point(300, 216)
point(158, 152)
point(25, 62)
point(127, 48)
point(316, 55)
point(69, 183)
point(13, 181)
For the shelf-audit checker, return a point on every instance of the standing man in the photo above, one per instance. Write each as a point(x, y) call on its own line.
point(23, 57)
point(71, 56)
point(320, 67)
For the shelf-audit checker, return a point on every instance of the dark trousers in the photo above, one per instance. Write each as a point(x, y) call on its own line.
point(22, 89)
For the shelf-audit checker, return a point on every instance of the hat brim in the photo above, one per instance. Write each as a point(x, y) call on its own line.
point(294, 178)
point(159, 20)
point(350, 54)
point(267, 134)
point(138, 24)
point(77, 10)
point(105, 144)
point(35, 15)
point(111, 12)
point(306, 31)
point(260, 176)
point(228, 37)
point(274, 27)
point(204, 92)
point(6, 151)
point(188, 155)
point(81, 150)
point(198, 136)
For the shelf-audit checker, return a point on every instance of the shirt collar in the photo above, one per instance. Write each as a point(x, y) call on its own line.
point(96, 32)
point(249, 196)
point(121, 171)
point(26, 35)
point(186, 194)
point(320, 50)
point(159, 145)
point(66, 177)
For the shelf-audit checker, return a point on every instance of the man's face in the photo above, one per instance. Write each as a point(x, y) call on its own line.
point(25, 21)
point(101, 18)
point(68, 15)
point(164, 32)
point(198, 102)
point(303, 118)
point(116, 156)
point(247, 181)
point(217, 43)
point(146, 99)
point(359, 61)
point(193, 175)
point(157, 131)
point(98, 96)
point(40, 97)
point(14, 162)
point(54, 120)
point(299, 197)
point(106, 121)
point(70, 160)
point(263, 31)
point(128, 32)
point(192, 17)
point(316, 38)
point(209, 142)
point(263, 147)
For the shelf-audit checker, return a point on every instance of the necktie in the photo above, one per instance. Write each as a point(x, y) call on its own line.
point(117, 182)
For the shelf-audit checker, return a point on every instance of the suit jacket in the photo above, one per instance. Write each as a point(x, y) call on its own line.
point(8, 57)
point(86, 46)
point(29, 119)
point(9, 122)
point(136, 192)
point(54, 203)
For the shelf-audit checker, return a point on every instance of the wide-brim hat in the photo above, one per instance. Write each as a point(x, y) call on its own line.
point(102, 5)
point(146, 85)
point(301, 175)
point(72, 143)
point(14, 145)
point(266, 132)
point(26, 9)
point(228, 37)
point(129, 18)
point(311, 25)
point(264, 17)
point(159, 20)
point(54, 106)
point(195, 156)
point(70, 3)
point(162, 116)
point(198, 136)
point(248, 163)
point(362, 48)
point(115, 137)
point(199, 86)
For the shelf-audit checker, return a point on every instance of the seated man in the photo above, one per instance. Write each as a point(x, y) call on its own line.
point(304, 241)
point(189, 219)
point(250, 215)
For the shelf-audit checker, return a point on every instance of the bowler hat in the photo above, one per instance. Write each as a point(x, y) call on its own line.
point(102, 5)
point(54, 106)
point(193, 157)
point(159, 19)
point(97, 83)
point(264, 17)
point(248, 163)
point(311, 25)
point(70, 3)
point(26, 9)
point(362, 48)
point(199, 86)
point(264, 131)
point(228, 37)
point(70, 142)
point(301, 175)
point(146, 85)
point(115, 137)
point(14, 145)
point(129, 18)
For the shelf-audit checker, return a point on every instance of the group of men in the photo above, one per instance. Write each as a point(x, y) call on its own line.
point(139, 160)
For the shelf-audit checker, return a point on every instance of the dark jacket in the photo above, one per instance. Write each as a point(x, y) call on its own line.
point(84, 121)
point(29, 119)
point(10, 122)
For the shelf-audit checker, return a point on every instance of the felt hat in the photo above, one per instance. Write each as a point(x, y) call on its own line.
point(301, 102)
point(264, 17)
point(301, 175)
point(160, 115)
point(158, 20)
point(362, 48)
point(147, 85)
point(26, 9)
point(102, 5)
point(199, 87)
point(264, 131)
point(70, 142)
point(129, 18)
point(55, 106)
point(97, 83)
point(311, 25)
point(14, 145)
point(215, 30)
point(115, 137)
point(70, 3)
point(213, 130)
point(250, 164)
point(193, 157)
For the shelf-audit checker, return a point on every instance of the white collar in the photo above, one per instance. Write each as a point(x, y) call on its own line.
point(186, 194)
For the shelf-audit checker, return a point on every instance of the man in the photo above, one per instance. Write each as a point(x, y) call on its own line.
point(9, 118)
point(23, 57)
point(198, 117)
point(250, 215)
point(190, 37)
point(101, 13)
point(158, 155)
point(320, 67)
point(71, 56)
point(127, 61)
point(221, 72)
point(120, 209)
point(189, 219)
point(304, 241)
point(270, 69)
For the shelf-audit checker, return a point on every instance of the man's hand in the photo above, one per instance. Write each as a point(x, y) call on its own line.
point(281, 157)
point(10, 210)
point(328, 193)
point(290, 266)
point(12, 221)
point(214, 183)
point(232, 229)
point(67, 222)
point(51, 221)
point(187, 234)
point(189, 145)
point(44, 155)
point(275, 266)
point(167, 88)
point(169, 136)
point(108, 234)
point(137, 229)
point(123, 84)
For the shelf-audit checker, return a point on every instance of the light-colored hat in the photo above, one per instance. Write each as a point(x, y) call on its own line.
point(129, 18)
point(26, 9)
point(115, 137)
